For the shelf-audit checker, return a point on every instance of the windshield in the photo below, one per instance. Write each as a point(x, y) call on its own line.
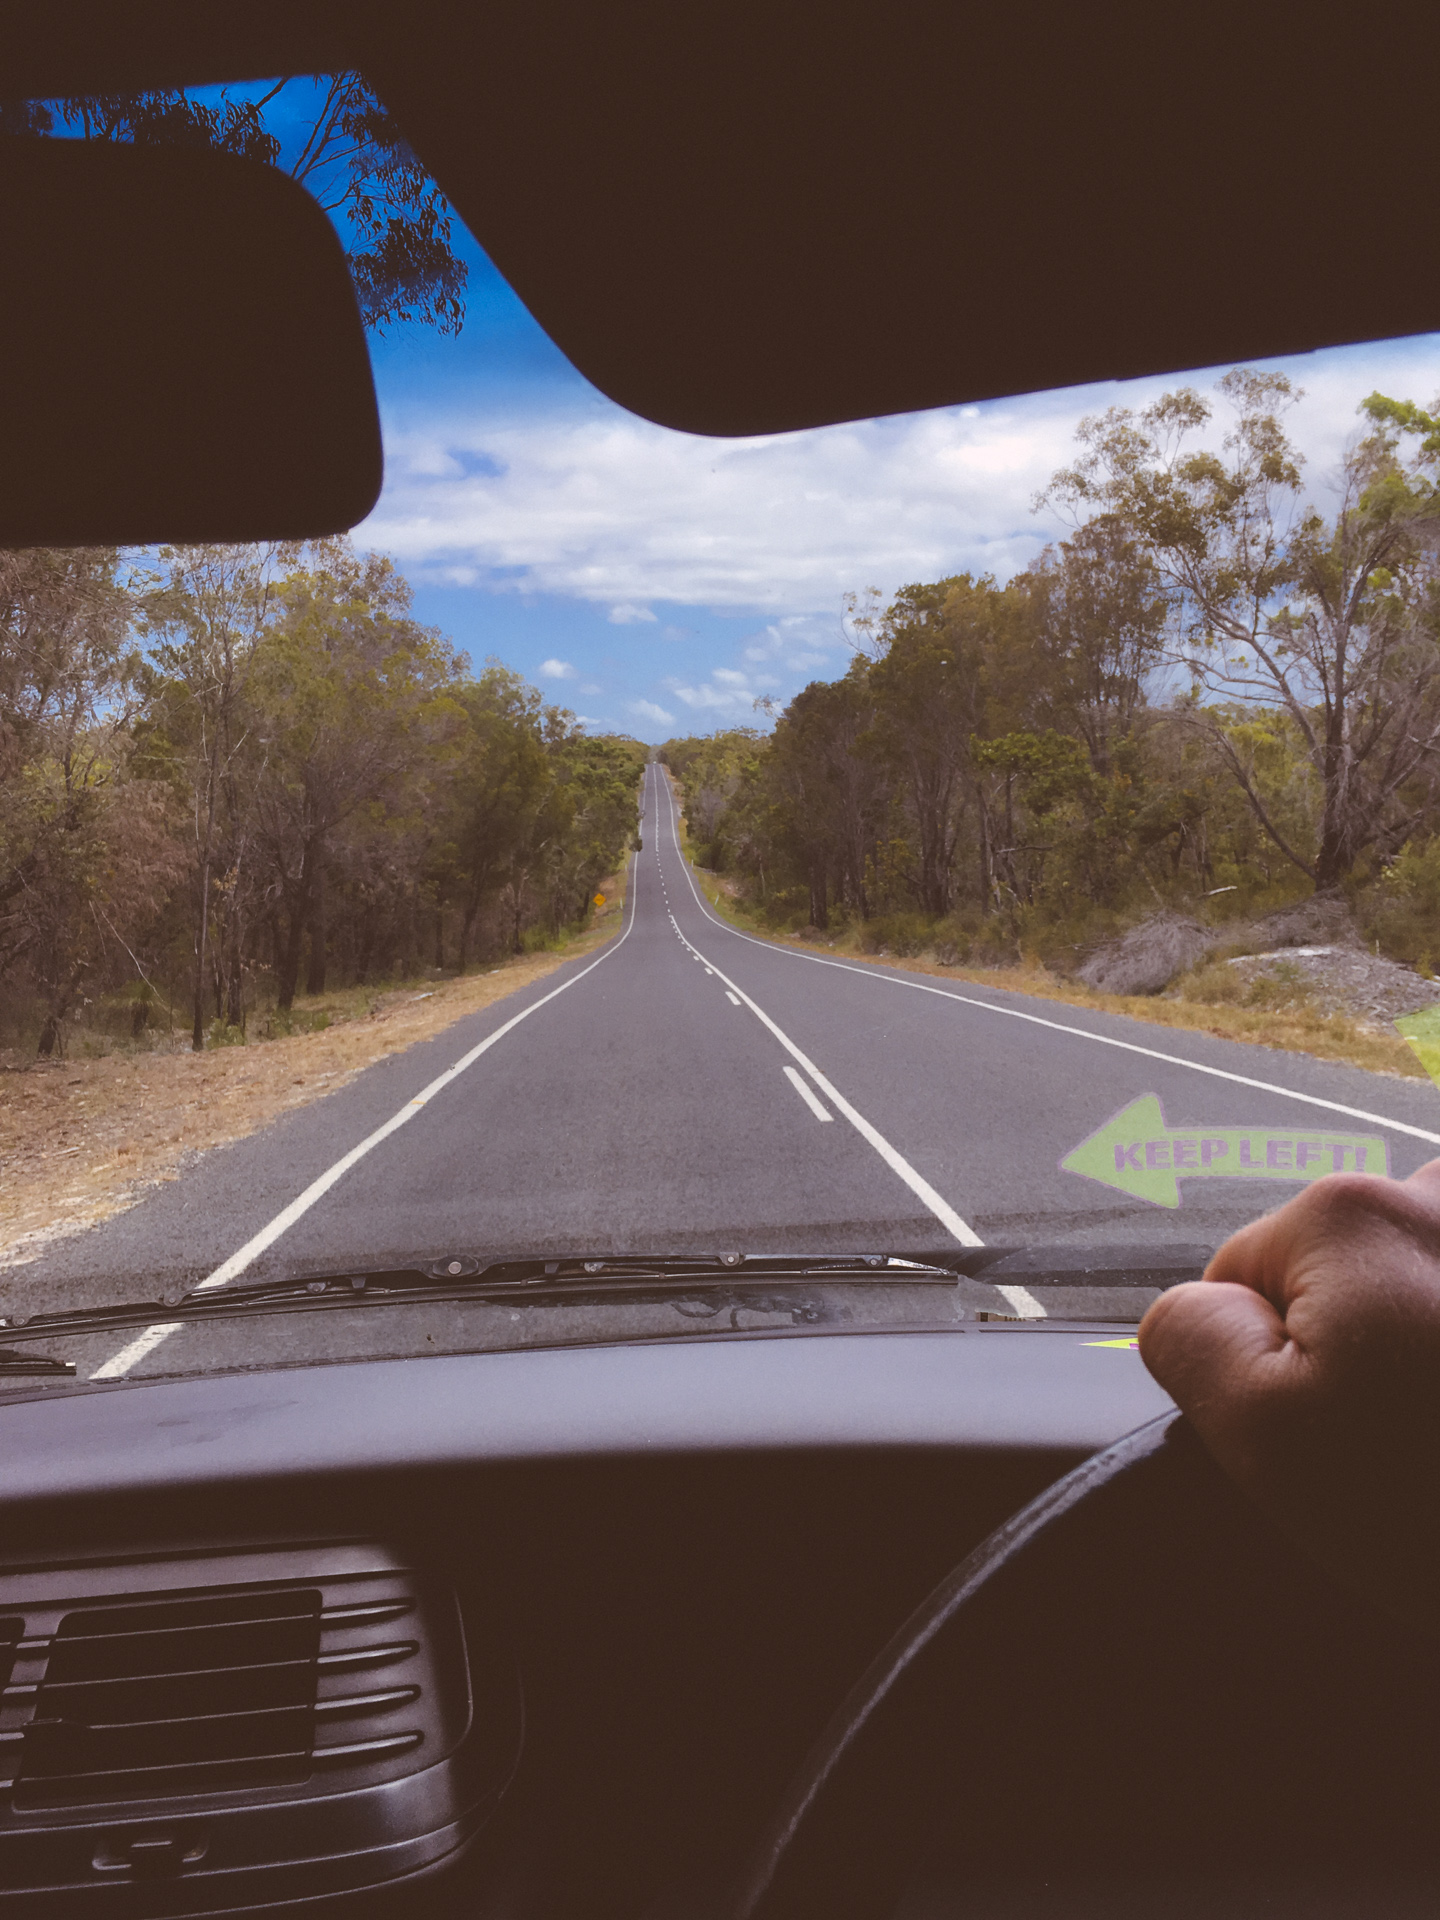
point(985, 850)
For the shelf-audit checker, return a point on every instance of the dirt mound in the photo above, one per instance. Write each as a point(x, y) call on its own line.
point(1344, 980)
point(1321, 921)
point(1148, 958)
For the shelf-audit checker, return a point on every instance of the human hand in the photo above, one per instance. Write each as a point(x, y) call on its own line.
point(1308, 1361)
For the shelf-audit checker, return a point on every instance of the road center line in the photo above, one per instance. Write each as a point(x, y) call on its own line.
point(1057, 1026)
point(120, 1363)
point(806, 1094)
point(893, 1159)
point(1020, 1298)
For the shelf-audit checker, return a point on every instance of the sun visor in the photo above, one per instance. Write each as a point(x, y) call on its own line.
point(183, 353)
point(736, 217)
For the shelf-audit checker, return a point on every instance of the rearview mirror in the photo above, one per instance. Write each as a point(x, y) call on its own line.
point(184, 358)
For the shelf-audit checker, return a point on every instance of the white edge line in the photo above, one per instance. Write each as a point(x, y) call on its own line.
point(806, 1094)
point(1058, 1026)
point(230, 1269)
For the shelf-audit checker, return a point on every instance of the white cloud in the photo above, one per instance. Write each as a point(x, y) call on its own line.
point(799, 643)
point(556, 670)
point(712, 697)
point(612, 510)
point(647, 710)
point(730, 678)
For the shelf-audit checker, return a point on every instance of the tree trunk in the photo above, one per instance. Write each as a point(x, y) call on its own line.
point(207, 851)
point(315, 974)
point(288, 970)
point(467, 925)
point(819, 903)
point(197, 1031)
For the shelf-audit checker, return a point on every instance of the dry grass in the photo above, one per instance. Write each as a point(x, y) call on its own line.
point(1292, 1028)
point(83, 1139)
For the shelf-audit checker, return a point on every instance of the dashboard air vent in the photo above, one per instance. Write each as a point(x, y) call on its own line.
point(175, 1696)
point(260, 1726)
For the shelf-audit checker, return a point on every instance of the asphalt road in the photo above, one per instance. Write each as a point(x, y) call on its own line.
point(693, 1088)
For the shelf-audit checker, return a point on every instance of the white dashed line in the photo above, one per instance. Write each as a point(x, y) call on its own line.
point(1024, 1303)
point(1059, 1026)
point(806, 1095)
point(893, 1158)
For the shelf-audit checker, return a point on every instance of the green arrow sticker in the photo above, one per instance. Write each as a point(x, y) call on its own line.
point(1142, 1156)
point(1422, 1030)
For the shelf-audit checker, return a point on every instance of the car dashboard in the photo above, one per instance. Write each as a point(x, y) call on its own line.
point(542, 1632)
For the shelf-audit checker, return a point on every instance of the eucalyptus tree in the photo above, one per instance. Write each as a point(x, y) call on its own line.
point(1330, 620)
point(82, 841)
point(1096, 610)
point(339, 140)
point(929, 688)
point(354, 704)
point(207, 610)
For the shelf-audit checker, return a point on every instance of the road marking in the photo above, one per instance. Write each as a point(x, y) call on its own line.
point(805, 1093)
point(893, 1159)
point(731, 997)
point(1020, 1298)
point(1136, 1152)
point(1058, 1026)
point(121, 1362)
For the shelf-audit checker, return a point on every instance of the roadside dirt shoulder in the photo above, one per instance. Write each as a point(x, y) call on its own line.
point(83, 1139)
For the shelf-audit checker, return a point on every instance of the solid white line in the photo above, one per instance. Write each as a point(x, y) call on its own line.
point(230, 1269)
point(1024, 1303)
point(1058, 1026)
point(805, 1094)
point(146, 1342)
point(893, 1159)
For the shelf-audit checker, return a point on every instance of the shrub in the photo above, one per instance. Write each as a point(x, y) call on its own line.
point(904, 934)
point(1212, 985)
point(1402, 909)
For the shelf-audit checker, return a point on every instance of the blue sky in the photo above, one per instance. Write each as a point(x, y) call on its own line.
point(659, 583)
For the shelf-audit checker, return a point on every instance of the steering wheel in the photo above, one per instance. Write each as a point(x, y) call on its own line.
point(1134, 1698)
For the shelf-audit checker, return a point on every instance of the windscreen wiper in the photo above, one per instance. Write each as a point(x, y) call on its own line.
point(15, 1365)
point(463, 1276)
point(591, 1277)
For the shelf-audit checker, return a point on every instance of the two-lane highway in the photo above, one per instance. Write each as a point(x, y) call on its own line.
point(695, 1088)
